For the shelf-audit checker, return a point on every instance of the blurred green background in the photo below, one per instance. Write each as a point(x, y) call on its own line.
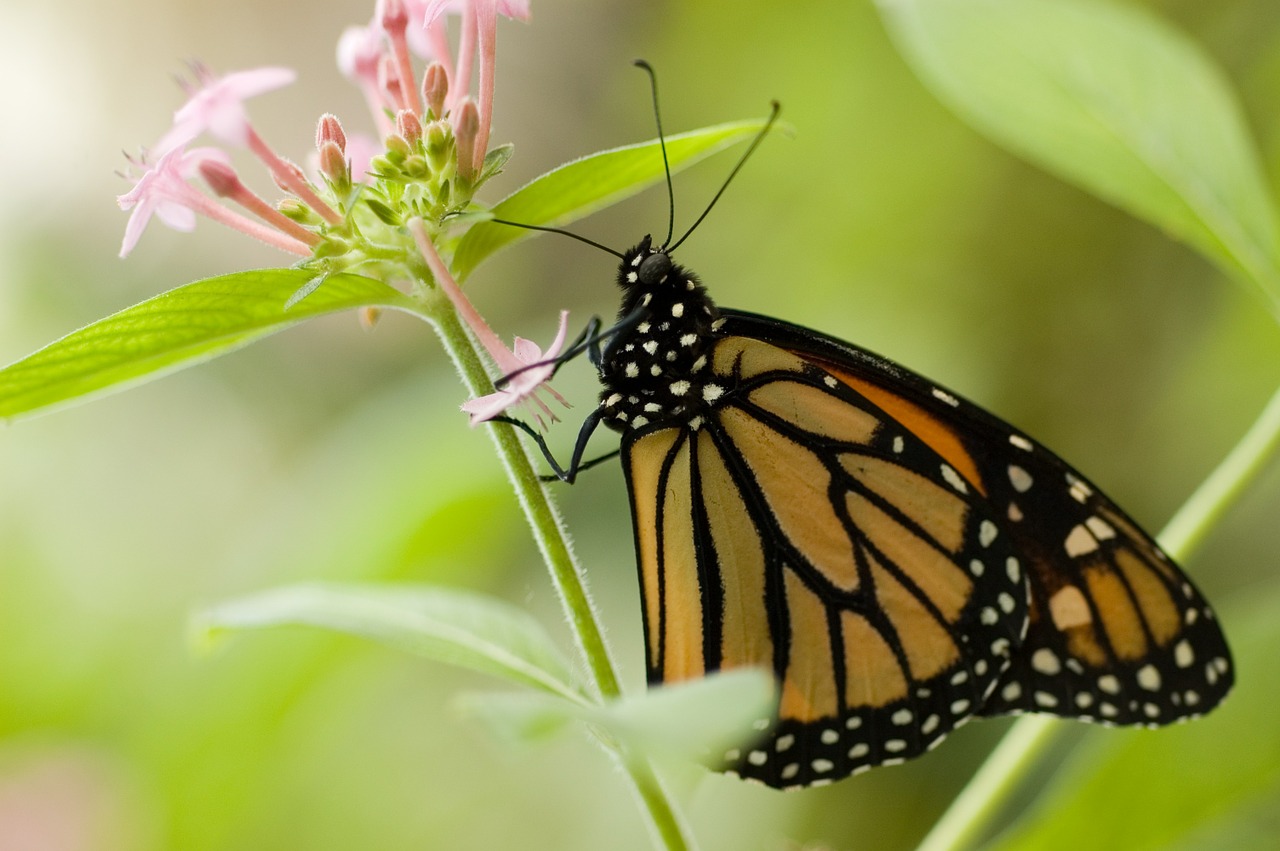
point(338, 453)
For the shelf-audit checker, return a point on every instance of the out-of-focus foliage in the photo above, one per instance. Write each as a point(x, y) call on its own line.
point(332, 453)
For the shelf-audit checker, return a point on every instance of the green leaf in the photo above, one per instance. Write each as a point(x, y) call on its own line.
point(457, 628)
point(1111, 98)
point(1186, 786)
point(698, 720)
point(184, 326)
point(579, 188)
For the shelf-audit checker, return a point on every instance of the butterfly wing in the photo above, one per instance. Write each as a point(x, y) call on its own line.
point(1117, 632)
point(798, 528)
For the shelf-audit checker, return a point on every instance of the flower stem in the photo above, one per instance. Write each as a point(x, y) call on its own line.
point(548, 528)
point(547, 525)
point(984, 797)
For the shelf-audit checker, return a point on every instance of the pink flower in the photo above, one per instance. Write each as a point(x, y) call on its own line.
point(218, 106)
point(525, 386)
point(163, 191)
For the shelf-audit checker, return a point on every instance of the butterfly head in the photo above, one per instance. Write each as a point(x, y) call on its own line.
point(649, 269)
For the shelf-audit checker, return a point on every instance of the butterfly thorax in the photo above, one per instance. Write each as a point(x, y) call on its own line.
point(655, 370)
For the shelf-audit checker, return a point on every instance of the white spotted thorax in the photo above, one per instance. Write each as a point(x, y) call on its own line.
point(656, 370)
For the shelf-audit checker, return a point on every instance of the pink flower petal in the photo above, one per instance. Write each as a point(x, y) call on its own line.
point(523, 388)
point(486, 408)
point(218, 107)
point(163, 191)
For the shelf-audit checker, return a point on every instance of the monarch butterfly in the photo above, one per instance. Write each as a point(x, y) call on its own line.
point(899, 558)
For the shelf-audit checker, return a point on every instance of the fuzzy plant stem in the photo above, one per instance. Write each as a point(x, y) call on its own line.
point(665, 822)
point(976, 807)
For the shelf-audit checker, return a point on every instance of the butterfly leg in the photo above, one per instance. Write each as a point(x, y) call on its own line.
point(576, 465)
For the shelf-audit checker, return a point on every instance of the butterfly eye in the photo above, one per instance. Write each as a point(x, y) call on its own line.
point(655, 268)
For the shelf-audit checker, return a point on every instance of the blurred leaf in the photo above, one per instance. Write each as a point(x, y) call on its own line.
point(1109, 97)
point(454, 627)
point(697, 720)
point(1137, 789)
point(524, 717)
point(184, 326)
point(580, 188)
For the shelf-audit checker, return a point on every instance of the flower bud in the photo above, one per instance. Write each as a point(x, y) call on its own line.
point(416, 167)
point(435, 88)
point(221, 177)
point(438, 145)
point(466, 127)
point(394, 16)
point(330, 130)
point(298, 174)
point(334, 166)
point(397, 148)
point(297, 211)
point(408, 126)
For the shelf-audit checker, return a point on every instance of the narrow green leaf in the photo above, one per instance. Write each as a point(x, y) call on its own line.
point(454, 627)
point(579, 188)
point(1176, 786)
point(696, 720)
point(184, 326)
point(1109, 97)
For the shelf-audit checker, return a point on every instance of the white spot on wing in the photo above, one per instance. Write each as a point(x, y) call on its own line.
point(1046, 661)
point(1100, 528)
point(1019, 478)
point(953, 478)
point(944, 396)
point(1080, 541)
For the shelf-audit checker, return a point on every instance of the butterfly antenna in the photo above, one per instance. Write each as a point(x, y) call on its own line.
point(662, 140)
point(773, 116)
point(560, 231)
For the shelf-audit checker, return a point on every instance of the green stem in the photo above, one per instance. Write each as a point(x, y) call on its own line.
point(548, 528)
point(1186, 531)
point(971, 813)
point(567, 576)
